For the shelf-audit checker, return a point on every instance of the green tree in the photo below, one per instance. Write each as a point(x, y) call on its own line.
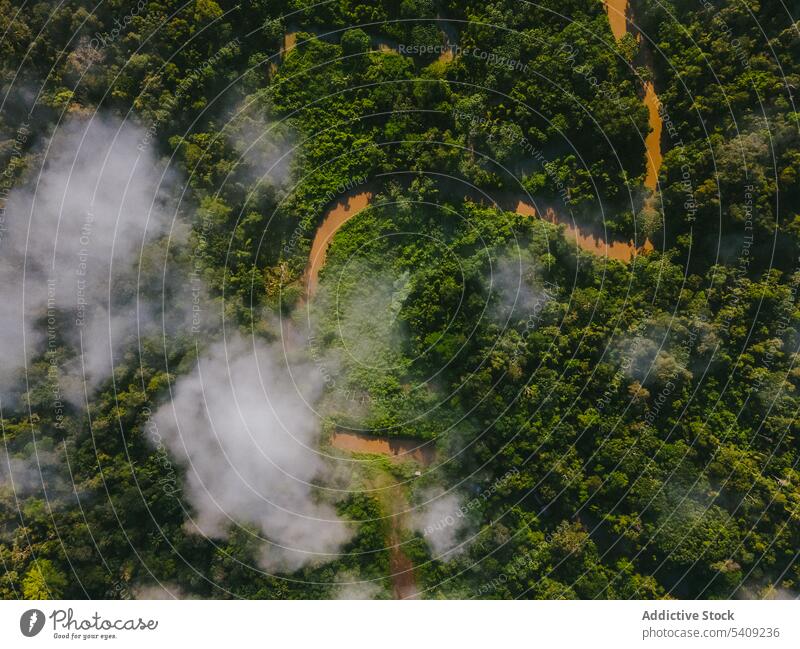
point(43, 581)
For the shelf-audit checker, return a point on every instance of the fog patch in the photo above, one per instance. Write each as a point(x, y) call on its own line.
point(367, 314)
point(159, 591)
point(350, 588)
point(77, 231)
point(266, 149)
point(442, 523)
point(29, 476)
point(646, 361)
point(242, 425)
point(520, 292)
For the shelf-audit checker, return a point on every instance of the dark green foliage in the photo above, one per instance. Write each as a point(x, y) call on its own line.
point(649, 409)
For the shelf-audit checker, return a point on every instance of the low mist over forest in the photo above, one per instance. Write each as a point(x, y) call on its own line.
point(399, 299)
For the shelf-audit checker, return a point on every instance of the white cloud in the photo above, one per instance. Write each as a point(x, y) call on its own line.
point(242, 425)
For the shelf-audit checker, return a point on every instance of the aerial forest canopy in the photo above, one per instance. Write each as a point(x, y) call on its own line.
point(399, 298)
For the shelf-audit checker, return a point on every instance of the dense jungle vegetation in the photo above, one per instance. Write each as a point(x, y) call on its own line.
point(615, 430)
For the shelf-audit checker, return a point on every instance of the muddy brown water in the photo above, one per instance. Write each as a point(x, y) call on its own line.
point(336, 217)
point(401, 567)
point(617, 17)
point(652, 143)
point(351, 205)
point(402, 448)
point(623, 251)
